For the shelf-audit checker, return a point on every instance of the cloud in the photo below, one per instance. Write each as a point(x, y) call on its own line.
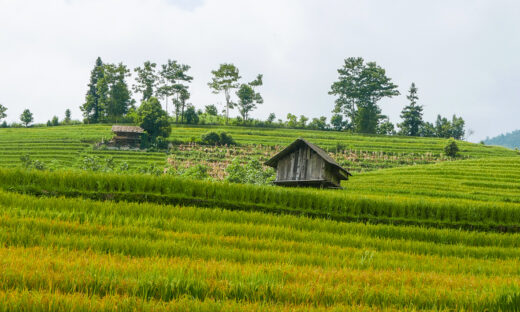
point(461, 54)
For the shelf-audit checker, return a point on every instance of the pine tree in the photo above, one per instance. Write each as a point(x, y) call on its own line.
point(91, 109)
point(411, 114)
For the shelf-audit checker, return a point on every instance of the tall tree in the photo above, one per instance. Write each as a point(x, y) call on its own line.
point(3, 109)
point(174, 82)
point(118, 95)
point(248, 98)
point(225, 79)
point(67, 116)
point(91, 110)
point(358, 89)
point(411, 114)
point(146, 80)
point(26, 117)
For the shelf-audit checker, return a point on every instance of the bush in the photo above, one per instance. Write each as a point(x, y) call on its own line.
point(213, 138)
point(226, 139)
point(451, 149)
point(250, 173)
point(198, 172)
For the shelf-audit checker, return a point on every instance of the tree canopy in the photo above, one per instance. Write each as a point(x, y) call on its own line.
point(26, 117)
point(146, 80)
point(225, 79)
point(153, 119)
point(359, 87)
point(248, 98)
point(411, 114)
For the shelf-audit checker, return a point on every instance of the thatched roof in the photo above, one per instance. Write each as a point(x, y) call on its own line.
point(273, 162)
point(127, 129)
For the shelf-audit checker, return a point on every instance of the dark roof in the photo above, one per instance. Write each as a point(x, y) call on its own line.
point(127, 129)
point(323, 154)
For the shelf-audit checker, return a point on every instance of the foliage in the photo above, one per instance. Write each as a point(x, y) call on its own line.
point(3, 109)
point(248, 98)
point(197, 172)
point(251, 172)
point(411, 114)
point(92, 109)
point(318, 123)
point(173, 82)
point(358, 89)
point(146, 80)
point(153, 119)
point(385, 127)
point(211, 110)
point(451, 149)
point(26, 118)
point(214, 138)
point(225, 79)
point(192, 118)
point(67, 118)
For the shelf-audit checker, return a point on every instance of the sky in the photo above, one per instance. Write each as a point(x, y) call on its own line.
point(462, 55)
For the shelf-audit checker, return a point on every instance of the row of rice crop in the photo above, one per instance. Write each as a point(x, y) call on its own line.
point(162, 255)
point(341, 205)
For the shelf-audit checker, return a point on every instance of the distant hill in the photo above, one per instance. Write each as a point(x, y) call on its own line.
point(511, 140)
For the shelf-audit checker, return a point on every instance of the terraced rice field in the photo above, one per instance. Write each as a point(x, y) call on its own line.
point(67, 146)
point(432, 237)
point(67, 254)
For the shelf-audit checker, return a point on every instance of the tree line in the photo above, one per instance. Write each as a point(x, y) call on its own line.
point(359, 88)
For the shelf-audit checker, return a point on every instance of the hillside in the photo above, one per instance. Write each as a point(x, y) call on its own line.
point(426, 233)
point(511, 140)
point(90, 250)
point(68, 146)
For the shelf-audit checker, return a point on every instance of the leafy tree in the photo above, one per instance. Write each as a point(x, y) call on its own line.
point(292, 121)
point(318, 123)
point(358, 89)
point(225, 79)
point(411, 114)
point(442, 127)
point(385, 127)
point(173, 82)
point(427, 129)
point(211, 110)
point(91, 108)
point(67, 116)
point(118, 97)
point(153, 119)
point(271, 118)
point(3, 109)
point(337, 122)
point(55, 121)
point(302, 122)
point(248, 98)
point(214, 138)
point(457, 128)
point(146, 80)
point(451, 149)
point(26, 117)
point(192, 118)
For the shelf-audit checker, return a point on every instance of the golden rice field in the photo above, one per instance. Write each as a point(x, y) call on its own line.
point(430, 237)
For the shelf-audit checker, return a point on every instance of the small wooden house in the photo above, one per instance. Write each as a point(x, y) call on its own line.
point(127, 135)
point(305, 164)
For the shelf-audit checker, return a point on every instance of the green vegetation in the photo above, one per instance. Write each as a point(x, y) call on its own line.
point(153, 231)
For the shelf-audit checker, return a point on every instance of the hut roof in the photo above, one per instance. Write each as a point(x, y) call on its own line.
point(127, 129)
point(300, 141)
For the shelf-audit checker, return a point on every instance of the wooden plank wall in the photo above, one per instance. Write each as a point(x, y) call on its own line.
point(300, 165)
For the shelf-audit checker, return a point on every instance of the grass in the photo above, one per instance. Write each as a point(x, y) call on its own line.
point(148, 255)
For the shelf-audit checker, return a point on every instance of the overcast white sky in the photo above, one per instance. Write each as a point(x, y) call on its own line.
point(463, 55)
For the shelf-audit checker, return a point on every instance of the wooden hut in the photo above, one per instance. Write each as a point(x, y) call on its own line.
point(127, 135)
point(305, 164)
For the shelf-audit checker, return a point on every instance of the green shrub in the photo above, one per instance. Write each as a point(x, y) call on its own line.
point(251, 173)
point(451, 149)
point(214, 138)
